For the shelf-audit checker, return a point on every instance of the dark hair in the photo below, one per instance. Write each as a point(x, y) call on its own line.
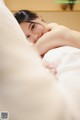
point(25, 16)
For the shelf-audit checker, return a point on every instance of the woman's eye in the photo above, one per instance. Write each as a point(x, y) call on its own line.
point(33, 26)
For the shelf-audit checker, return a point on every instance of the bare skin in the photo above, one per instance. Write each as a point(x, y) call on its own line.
point(57, 37)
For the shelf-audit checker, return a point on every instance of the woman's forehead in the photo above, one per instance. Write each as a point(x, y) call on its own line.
point(24, 24)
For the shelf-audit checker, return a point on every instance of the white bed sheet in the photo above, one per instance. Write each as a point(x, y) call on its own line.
point(67, 62)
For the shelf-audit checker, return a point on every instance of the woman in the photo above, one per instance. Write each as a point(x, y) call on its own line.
point(46, 36)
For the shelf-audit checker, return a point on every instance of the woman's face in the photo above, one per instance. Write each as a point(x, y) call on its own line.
point(34, 30)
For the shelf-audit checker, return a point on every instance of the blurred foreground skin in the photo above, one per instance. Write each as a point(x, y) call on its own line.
point(27, 90)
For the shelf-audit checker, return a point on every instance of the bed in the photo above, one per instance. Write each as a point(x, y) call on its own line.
point(27, 90)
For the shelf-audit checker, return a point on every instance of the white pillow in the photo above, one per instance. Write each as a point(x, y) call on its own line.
point(27, 91)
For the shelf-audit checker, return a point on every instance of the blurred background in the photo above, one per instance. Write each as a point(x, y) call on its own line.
point(65, 12)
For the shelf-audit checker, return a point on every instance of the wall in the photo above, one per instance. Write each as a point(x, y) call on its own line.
point(69, 19)
point(51, 11)
point(37, 5)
